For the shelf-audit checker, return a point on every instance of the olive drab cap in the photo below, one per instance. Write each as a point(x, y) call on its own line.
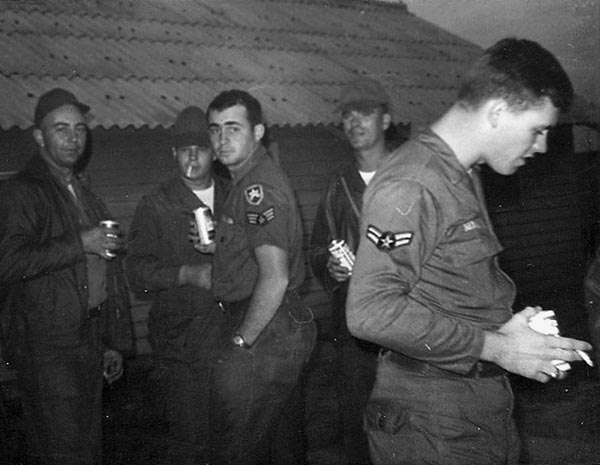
point(190, 128)
point(54, 99)
point(362, 93)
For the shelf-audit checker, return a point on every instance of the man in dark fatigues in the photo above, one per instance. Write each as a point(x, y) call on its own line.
point(427, 285)
point(67, 299)
point(258, 268)
point(365, 112)
point(185, 322)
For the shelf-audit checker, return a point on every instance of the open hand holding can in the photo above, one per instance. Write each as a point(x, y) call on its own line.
point(340, 250)
point(112, 232)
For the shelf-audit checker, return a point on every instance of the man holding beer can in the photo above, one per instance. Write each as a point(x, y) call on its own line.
point(365, 113)
point(185, 322)
point(66, 299)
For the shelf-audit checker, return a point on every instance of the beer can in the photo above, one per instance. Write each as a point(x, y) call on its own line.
point(340, 250)
point(205, 224)
point(113, 231)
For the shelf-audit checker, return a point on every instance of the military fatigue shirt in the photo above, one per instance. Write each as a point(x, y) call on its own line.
point(260, 209)
point(427, 281)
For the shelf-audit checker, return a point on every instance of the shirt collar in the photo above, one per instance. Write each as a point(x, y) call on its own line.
point(60, 176)
point(456, 172)
point(250, 163)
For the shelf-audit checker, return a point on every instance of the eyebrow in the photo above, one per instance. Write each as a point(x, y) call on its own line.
point(227, 123)
point(64, 123)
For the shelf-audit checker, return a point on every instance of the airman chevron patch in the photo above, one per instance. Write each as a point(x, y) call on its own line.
point(388, 240)
point(261, 218)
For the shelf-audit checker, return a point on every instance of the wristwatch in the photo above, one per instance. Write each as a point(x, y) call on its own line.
point(238, 340)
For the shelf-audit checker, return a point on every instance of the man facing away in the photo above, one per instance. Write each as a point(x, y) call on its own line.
point(185, 322)
point(427, 285)
point(258, 266)
point(365, 112)
point(64, 287)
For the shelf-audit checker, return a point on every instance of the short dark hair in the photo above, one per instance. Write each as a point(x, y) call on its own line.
point(521, 72)
point(230, 98)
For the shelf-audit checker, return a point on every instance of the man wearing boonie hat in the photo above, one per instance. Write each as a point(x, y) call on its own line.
point(364, 107)
point(165, 259)
point(67, 298)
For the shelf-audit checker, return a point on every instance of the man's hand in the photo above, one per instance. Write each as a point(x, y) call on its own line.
point(208, 249)
point(519, 349)
point(113, 365)
point(337, 271)
point(100, 241)
point(196, 275)
point(194, 238)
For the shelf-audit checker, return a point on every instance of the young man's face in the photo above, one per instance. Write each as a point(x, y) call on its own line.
point(62, 137)
point(194, 161)
point(233, 138)
point(365, 127)
point(520, 135)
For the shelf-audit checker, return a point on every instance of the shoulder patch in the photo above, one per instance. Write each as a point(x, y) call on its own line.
point(261, 218)
point(254, 194)
point(388, 240)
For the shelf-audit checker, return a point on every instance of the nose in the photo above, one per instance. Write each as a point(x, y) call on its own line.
point(72, 136)
point(222, 137)
point(541, 143)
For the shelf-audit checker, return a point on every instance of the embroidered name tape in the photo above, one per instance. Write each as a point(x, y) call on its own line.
point(470, 225)
point(388, 240)
point(261, 218)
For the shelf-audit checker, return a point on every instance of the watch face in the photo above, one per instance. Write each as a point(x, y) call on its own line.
point(239, 340)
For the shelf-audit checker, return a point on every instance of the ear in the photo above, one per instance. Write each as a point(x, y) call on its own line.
point(39, 137)
point(259, 131)
point(494, 110)
point(387, 120)
point(174, 150)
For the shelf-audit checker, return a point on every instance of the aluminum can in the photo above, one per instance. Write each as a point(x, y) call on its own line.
point(340, 250)
point(205, 224)
point(113, 228)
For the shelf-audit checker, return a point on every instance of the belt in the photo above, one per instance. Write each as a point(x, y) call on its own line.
point(480, 370)
point(233, 307)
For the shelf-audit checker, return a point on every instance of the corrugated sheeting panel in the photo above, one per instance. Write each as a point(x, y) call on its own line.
point(137, 63)
point(125, 103)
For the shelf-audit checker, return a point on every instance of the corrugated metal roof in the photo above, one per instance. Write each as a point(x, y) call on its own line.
point(137, 63)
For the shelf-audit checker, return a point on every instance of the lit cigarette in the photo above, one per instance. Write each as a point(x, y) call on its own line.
point(586, 358)
point(188, 172)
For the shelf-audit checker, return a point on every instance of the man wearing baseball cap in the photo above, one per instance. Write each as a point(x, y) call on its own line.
point(364, 107)
point(185, 321)
point(67, 299)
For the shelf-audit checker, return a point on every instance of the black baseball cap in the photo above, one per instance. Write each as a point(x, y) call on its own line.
point(362, 93)
point(54, 99)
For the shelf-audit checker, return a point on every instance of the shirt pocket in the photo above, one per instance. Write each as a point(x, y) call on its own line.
point(468, 243)
point(231, 236)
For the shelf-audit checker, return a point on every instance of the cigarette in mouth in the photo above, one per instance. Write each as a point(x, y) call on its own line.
point(188, 172)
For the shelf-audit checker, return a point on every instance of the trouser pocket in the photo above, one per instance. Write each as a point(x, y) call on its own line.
point(385, 415)
point(299, 312)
